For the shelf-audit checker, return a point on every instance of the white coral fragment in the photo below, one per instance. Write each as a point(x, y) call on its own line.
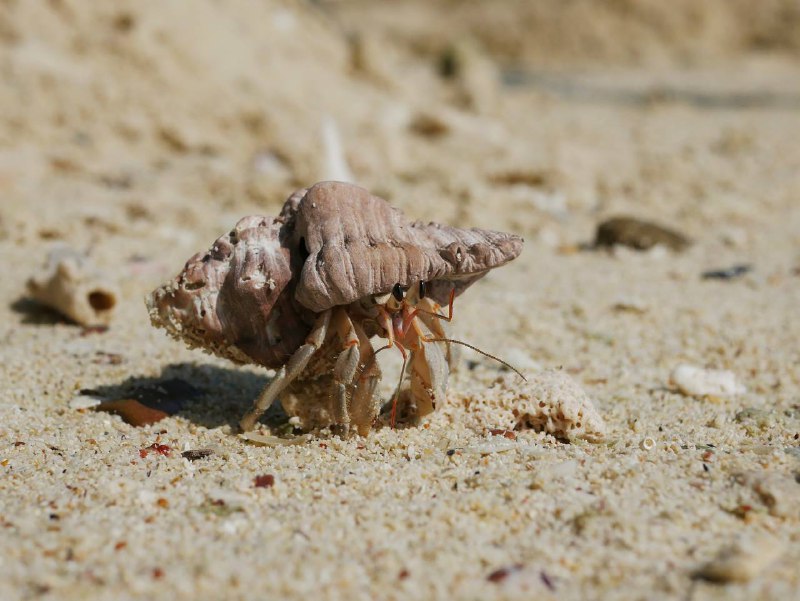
point(71, 285)
point(696, 381)
point(549, 401)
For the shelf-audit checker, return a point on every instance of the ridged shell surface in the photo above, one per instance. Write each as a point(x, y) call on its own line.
point(358, 245)
point(237, 299)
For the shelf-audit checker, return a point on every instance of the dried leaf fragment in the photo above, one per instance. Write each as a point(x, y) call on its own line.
point(151, 403)
point(133, 412)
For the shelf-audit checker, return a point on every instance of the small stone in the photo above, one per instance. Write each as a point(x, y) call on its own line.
point(697, 381)
point(195, 454)
point(742, 561)
point(638, 234)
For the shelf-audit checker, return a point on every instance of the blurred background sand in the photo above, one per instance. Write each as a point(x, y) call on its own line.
point(138, 132)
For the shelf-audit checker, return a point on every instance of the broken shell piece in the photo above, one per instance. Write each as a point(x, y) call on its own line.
point(83, 401)
point(696, 381)
point(549, 401)
point(71, 285)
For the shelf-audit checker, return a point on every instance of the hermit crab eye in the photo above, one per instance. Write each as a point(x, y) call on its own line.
point(398, 293)
point(422, 290)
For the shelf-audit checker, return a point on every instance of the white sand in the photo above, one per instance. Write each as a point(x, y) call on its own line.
point(141, 144)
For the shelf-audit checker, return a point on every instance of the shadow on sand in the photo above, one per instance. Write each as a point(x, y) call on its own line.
point(212, 396)
point(207, 395)
point(34, 313)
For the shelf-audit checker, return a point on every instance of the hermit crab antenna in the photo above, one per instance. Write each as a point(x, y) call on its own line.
point(477, 350)
point(383, 348)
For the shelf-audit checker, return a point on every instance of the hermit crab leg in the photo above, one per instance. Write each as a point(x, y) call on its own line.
point(385, 320)
point(361, 407)
point(346, 366)
point(429, 371)
point(288, 372)
point(435, 313)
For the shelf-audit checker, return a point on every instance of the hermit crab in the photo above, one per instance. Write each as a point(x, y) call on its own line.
point(305, 292)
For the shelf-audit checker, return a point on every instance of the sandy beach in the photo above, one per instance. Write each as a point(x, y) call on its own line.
point(138, 133)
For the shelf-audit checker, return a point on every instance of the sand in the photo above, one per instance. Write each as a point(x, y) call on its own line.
point(139, 133)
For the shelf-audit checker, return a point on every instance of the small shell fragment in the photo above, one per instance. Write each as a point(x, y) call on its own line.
point(697, 381)
point(83, 401)
point(647, 444)
point(71, 285)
